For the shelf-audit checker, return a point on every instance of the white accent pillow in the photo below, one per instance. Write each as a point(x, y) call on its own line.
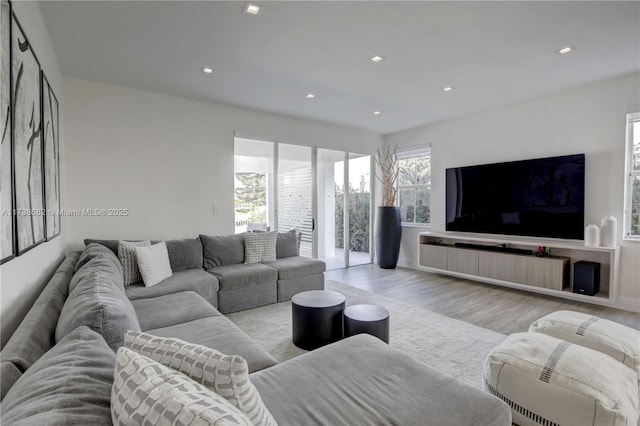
point(146, 392)
point(153, 262)
point(227, 375)
point(127, 256)
point(260, 247)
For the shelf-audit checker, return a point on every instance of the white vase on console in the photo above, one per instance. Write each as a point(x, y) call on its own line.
point(592, 236)
point(608, 231)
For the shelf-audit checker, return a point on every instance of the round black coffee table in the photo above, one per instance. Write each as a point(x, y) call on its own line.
point(368, 319)
point(317, 318)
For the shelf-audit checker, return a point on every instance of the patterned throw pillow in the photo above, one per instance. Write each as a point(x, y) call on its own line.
point(146, 392)
point(260, 247)
point(127, 256)
point(227, 375)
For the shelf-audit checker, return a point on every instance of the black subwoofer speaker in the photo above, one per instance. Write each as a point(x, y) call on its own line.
point(586, 278)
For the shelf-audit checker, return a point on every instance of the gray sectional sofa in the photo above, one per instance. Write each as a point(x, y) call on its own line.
point(58, 366)
point(214, 267)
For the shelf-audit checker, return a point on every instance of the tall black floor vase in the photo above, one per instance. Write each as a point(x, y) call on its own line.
point(388, 235)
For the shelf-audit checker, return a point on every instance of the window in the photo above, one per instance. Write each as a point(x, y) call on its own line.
point(632, 178)
point(414, 186)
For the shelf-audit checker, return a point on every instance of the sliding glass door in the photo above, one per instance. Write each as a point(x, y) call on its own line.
point(295, 193)
point(325, 194)
point(359, 208)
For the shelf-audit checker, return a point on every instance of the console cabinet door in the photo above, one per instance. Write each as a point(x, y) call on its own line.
point(497, 266)
point(433, 256)
point(542, 272)
point(463, 261)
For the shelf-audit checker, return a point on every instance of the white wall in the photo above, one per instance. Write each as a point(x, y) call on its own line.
point(589, 120)
point(168, 160)
point(22, 278)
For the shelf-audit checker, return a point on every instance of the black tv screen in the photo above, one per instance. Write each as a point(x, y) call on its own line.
point(543, 197)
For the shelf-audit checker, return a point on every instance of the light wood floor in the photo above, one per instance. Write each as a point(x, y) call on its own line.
point(497, 308)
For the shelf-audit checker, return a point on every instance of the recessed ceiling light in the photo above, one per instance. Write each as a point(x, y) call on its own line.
point(207, 70)
point(565, 50)
point(252, 9)
point(310, 96)
point(448, 89)
point(377, 58)
point(376, 113)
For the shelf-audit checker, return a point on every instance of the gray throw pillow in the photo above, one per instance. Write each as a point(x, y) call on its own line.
point(110, 244)
point(222, 250)
point(288, 244)
point(185, 254)
point(99, 302)
point(68, 385)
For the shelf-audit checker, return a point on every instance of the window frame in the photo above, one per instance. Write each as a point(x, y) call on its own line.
point(629, 176)
point(404, 155)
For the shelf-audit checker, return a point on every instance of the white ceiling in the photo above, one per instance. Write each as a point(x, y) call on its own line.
point(493, 53)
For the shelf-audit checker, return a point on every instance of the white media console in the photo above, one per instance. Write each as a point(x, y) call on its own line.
point(552, 275)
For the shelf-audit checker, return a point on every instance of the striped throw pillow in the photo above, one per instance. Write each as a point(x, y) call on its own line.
point(146, 392)
point(260, 247)
point(227, 375)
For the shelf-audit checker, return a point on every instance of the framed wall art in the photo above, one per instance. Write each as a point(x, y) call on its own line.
point(51, 146)
point(7, 241)
point(27, 141)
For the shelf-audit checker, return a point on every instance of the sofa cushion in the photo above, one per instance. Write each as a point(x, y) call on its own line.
point(69, 385)
point(146, 392)
point(101, 259)
point(10, 375)
point(549, 381)
point(221, 334)
point(244, 275)
point(153, 263)
point(259, 247)
point(96, 250)
point(185, 254)
point(227, 375)
point(616, 340)
point(363, 381)
point(198, 280)
point(171, 309)
point(110, 244)
point(288, 244)
point(98, 301)
point(36, 334)
point(129, 260)
point(222, 250)
point(296, 267)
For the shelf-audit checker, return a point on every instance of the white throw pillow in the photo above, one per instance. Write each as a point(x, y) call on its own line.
point(127, 256)
point(153, 262)
point(260, 247)
point(227, 375)
point(146, 392)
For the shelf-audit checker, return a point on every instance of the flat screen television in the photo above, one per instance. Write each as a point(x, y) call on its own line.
point(543, 197)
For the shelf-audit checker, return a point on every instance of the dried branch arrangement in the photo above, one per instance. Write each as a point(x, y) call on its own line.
point(387, 160)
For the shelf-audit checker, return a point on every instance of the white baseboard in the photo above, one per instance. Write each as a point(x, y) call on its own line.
point(411, 264)
point(628, 304)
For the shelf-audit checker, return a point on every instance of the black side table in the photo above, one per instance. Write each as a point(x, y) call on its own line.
point(317, 318)
point(368, 319)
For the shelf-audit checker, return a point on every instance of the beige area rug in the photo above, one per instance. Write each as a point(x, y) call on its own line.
point(447, 344)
